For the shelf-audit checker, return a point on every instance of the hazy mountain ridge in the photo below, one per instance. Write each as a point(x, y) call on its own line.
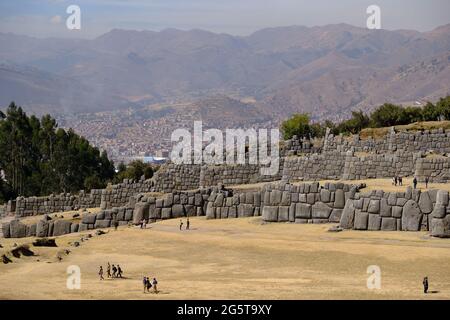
point(325, 70)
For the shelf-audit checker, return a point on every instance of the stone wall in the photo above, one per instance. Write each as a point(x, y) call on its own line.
point(328, 165)
point(437, 169)
point(374, 166)
point(415, 141)
point(113, 196)
point(118, 195)
point(412, 210)
point(176, 177)
point(306, 203)
point(55, 203)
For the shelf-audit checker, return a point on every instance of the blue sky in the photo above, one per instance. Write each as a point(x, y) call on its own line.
point(46, 18)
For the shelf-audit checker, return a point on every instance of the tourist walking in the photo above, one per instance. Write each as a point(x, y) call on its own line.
point(144, 282)
point(116, 224)
point(425, 285)
point(100, 273)
point(149, 284)
point(108, 271)
point(119, 272)
point(415, 182)
point(144, 224)
point(114, 270)
point(187, 224)
point(426, 182)
point(181, 224)
point(394, 181)
point(400, 181)
point(154, 283)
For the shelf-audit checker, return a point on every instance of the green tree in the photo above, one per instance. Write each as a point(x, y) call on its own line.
point(386, 115)
point(444, 107)
point(355, 124)
point(297, 125)
point(37, 158)
point(430, 112)
point(411, 115)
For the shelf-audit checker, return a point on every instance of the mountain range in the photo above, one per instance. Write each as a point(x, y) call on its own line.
point(326, 71)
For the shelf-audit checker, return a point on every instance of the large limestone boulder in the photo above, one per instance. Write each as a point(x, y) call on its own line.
point(321, 211)
point(17, 229)
point(42, 228)
point(99, 224)
point(440, 227)
point(339, 199)
point(283, 214)
point(374, 206)
point(245, 210)
point(210, 211)
point(275, 197)
point(442, 197)
point(166, 213)
point(361, 220)
point(335, 215)
point(140, 212)
point(388, 224)
point(5, 230)
point(270, 213)
point(411, 216)
point(302, 210)
point(385, 208)
point(74, 227)
point(89, 218)
point(31, 230)
point(178, 211)
point(61, 227)
point(374, 222)
point(348, 215)
point(425, 203)
point(325, 195)
point(83, 227)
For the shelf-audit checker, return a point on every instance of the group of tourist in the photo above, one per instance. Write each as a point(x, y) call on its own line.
point(143, 224)
point(116, 272)
point(187, 224)
point(399, 181)
point(148, 284)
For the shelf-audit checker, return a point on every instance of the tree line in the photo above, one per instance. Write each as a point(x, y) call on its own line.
point(38, 158)
point(386, 115)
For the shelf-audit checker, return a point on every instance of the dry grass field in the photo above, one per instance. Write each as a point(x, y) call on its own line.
point(233, 259)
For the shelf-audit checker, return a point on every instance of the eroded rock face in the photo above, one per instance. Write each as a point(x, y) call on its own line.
point(425, 203)
point(440, 227)
point(61, 227)
point(348, 215)
point(17, 229)
point(270, 213)
point(141, 211)
point(411, 216)
point(5, 230)
point(361, 220)
point(89, 218)
point(321, 211)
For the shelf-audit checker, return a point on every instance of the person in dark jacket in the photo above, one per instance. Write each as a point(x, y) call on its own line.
point(425, 285)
